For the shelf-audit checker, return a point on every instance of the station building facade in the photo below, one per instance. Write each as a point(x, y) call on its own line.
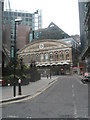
point(49, 56)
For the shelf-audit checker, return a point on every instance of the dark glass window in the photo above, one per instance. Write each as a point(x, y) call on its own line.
point(26, 19)
point(30, 15)
point(19, 14)
point(23, 14)
point(26, 14)
point(15, 13)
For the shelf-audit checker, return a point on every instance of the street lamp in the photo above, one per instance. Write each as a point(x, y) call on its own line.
point(16, 21)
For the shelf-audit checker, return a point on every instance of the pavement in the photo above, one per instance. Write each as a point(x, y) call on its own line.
point(28, 91)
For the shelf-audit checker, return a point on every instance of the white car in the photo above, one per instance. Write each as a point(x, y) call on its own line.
point(86, 78)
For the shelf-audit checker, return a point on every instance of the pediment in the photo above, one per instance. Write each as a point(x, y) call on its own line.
point(43, 45)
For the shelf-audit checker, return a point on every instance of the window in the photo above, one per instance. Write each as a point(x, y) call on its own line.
point(23, 14)
point(26, 14)
point(46, 57)
point(56, 56)
point(26, 19)
point(51, 56)
point(30, 37)
point(30, 15)
point(19, 14)
point(67, 55)
point(37, 57)
point(41, 57)
point(15, 13)
point(36, 35)
point(61, 55)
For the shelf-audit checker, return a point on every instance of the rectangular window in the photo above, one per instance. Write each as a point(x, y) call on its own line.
point(15, 13)
point(19, 14)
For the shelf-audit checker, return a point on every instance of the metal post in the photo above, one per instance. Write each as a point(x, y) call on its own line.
point(16, 20)
point(14, 61)
point(19, 87)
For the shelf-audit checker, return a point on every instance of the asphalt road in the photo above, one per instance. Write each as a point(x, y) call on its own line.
point(66, 98)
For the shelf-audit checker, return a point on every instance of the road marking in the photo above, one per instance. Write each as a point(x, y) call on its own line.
point(29, 117)
point(74, 101)
point(80, 81)
point(72, 86)
point(12, 116)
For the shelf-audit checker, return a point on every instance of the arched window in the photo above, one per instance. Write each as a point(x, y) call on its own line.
point(46, 57)
point(61, 55)
point(37, 57)
point(41, 57)
point(51, 56)
point(67, 55)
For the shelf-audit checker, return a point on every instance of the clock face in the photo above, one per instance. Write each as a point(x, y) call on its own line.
point(41, 46)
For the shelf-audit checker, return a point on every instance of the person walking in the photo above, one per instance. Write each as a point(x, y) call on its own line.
point(47, 76)
point(50, 75)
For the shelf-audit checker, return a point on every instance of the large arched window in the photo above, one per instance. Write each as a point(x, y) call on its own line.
point(61, 55)
point(51, 56)
point(56, 56)
point(46, 57)
point(67, 54)
point(37, 57)
point(41, 57)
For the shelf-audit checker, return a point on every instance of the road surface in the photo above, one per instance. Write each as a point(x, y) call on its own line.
point(66, 98)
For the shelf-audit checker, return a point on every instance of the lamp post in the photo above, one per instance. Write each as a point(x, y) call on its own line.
point(14, 86)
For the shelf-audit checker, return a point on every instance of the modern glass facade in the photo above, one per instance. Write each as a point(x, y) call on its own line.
point(84, 13)
point(29, 19)
point(1, 9)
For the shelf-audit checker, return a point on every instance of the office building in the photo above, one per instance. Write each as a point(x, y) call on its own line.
point(1, 10)
point(84, 13)
point(33, 20)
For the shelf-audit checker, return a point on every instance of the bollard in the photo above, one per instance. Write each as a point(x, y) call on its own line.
point(19, 87)
point(14, 89)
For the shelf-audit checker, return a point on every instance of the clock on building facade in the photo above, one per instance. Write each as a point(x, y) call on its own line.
point(41, 45)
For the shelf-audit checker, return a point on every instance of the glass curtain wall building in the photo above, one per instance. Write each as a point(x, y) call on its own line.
point(34, 20)
point(6, 34)
point(84, 15)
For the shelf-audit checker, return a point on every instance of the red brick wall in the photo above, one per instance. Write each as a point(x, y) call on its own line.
point(22, 36)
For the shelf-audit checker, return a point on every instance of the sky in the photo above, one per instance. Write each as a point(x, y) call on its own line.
point(64, 13)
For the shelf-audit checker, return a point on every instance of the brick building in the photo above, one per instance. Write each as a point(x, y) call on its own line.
point(22, 36)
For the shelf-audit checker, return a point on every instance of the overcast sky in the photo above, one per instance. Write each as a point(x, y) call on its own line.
point(64, 13)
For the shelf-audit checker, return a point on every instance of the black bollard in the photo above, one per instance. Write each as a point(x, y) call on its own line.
point(19, 87)
point(14, 89)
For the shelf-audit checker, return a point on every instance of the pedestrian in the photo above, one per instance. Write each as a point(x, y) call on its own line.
point(50, 75)
point(47, 76)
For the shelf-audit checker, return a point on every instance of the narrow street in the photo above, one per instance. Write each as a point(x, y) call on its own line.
point(66, 98)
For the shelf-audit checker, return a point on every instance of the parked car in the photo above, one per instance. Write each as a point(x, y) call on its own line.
point(86, 78)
